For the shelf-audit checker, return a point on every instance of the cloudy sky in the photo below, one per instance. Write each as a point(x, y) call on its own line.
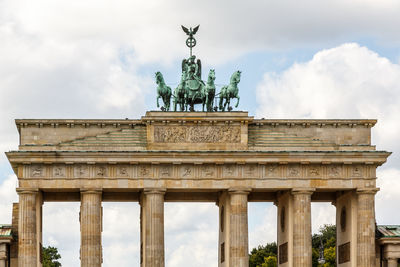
point(97, 59)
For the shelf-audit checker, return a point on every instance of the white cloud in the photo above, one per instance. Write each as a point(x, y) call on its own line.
point(61, 229)
point(228, 28)
point(8, 195)
point(121, 234)
point(262, 224)
point(191, 234)
point(347, 81)
point(388, 197)
point(322, 213)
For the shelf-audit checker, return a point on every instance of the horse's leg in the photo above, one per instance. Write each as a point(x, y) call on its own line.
point(211, 101)
point(221, 100)
point(238, 99)
point(158, 105)
point(205, 101)
point(164, 98)
point(228, 102)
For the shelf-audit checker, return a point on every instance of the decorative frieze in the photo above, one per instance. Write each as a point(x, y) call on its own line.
point(238, 170)
point(197, 134)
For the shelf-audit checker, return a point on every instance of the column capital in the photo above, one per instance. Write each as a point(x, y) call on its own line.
point(160, 191)
point(371, 191)
point(302, 191)
point(91, 191)
point(22, 190)
point(239, 190)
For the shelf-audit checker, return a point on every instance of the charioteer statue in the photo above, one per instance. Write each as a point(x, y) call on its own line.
point(192, 89)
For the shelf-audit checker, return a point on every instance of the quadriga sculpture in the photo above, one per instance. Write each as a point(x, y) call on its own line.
point(163, 91)
point(230, 91)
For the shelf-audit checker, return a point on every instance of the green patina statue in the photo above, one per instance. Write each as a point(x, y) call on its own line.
point(192, 89)
point(163, 91)
point(230, 91)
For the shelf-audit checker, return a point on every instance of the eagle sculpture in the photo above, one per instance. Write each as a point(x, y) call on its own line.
point(190, 31)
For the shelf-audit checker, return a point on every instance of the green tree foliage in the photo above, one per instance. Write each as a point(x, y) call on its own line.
point(51, 257)
point(270, 261)
point(266, 256)
point(259, 255)
point(327, 234)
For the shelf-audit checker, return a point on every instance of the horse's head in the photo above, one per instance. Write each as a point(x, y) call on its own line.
point(211, 75)
point(159, 77)
point(236, 77)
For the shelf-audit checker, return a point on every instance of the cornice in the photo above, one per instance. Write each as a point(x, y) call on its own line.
point(199, 157)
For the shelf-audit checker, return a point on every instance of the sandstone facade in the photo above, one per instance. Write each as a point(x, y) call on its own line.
point(224, 157)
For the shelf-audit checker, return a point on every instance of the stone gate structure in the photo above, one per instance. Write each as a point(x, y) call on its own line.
point(228, 158)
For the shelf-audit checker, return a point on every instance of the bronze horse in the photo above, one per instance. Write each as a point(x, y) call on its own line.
point(163, 91)
point(230, 91)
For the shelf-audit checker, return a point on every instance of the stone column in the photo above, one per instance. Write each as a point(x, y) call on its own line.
point(3, 254)
point(27, 228)
point(366, 227)
point(302, 249)
point(153, 227)
point(91, 228)
point(238, 235)
point(392, 262)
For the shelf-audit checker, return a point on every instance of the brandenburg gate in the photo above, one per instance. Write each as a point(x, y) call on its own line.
point(228, 158)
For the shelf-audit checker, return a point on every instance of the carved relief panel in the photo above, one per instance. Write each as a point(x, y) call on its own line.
point(334, 171)
point(100, 171)
point(230, 171)
point(272, 170)
point(81, 171)
point(165, 171)
point(123, 171)
point(314, 171)
point(59, 171)
point(37, 171)
point(197, 134)
point(251, 171)
point(145, 171)
point(356, 171)
point(208, 171)
point(187, 171)
point(294, 171)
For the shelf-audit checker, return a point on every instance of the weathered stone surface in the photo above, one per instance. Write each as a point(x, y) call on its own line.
point(200, 156)
point(302, 250)
point(152, 228)
point(91, 228)
point(27, 240)
point(366, 228)
point(238, 245)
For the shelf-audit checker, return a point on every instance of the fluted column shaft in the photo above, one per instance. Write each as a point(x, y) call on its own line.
point(3, 255)
point(238, 236)
point(366, 228)
point(392, 262)
point(91, 228)
point(154, 227)
point(302, 249)
point(27, 231)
